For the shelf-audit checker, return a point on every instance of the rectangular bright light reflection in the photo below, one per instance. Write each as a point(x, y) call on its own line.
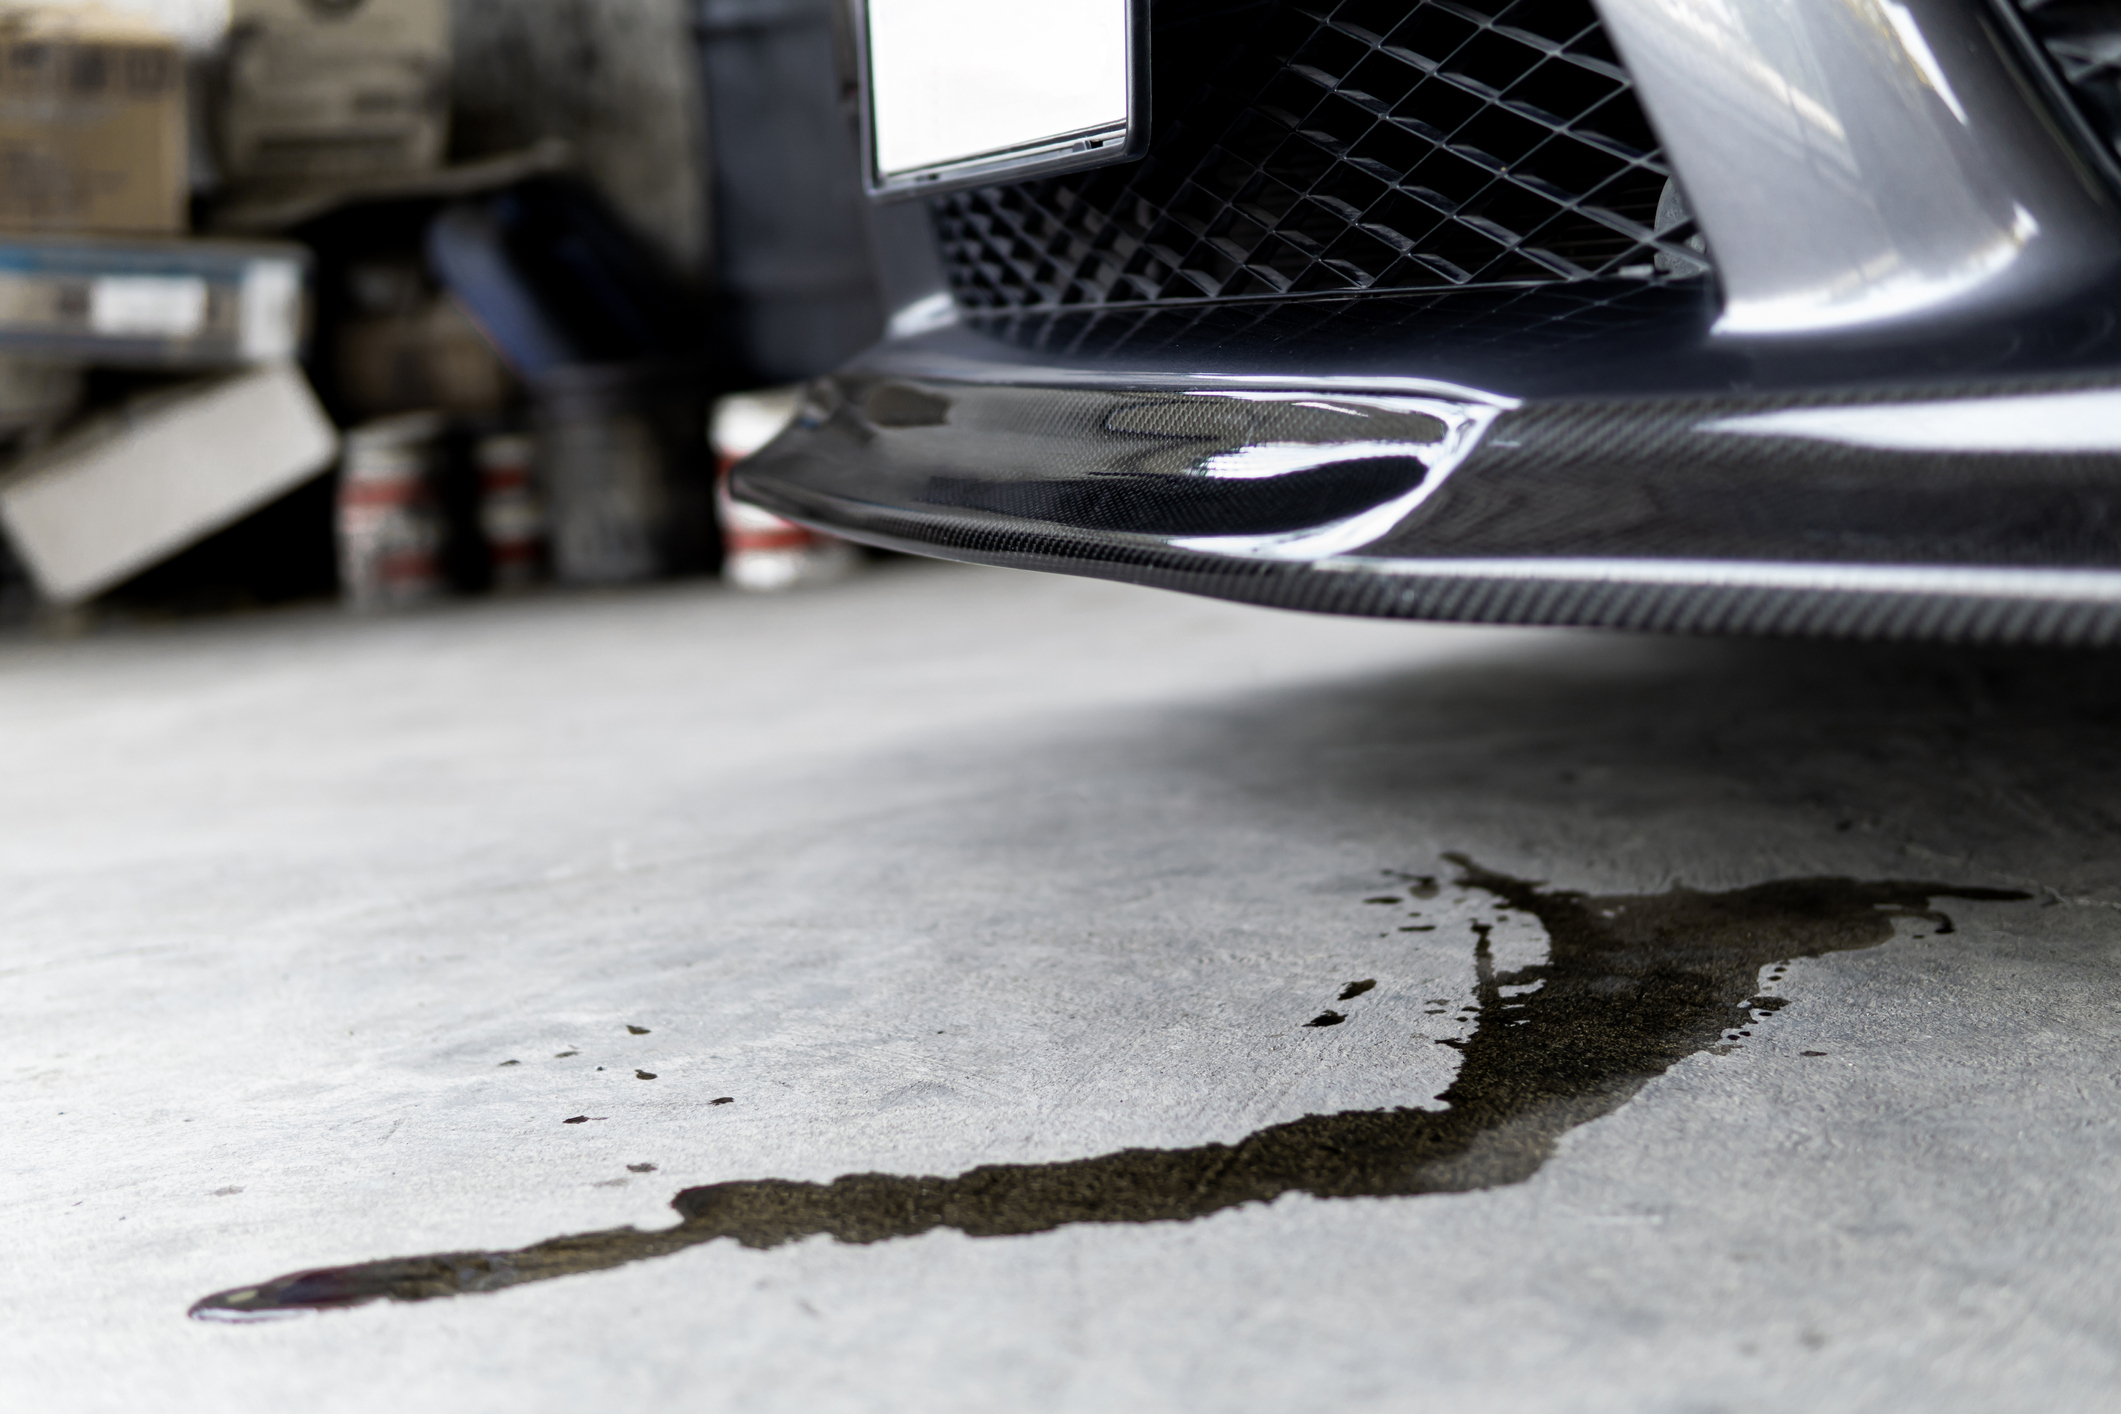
point(957, 84)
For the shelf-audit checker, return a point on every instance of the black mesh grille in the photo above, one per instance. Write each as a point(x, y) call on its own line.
point(1522, 323)
point(1335, 147)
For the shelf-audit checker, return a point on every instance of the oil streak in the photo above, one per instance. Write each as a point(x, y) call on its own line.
point(1632, 985)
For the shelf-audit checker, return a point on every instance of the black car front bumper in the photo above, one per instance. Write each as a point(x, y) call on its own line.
point(1623, 452)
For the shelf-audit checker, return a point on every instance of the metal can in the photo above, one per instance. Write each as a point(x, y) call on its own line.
point(511, 516)
point(390, 526)
point(761, 552)
point(624, 471)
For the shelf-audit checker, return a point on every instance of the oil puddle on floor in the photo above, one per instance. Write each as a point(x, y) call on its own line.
point(1630, 985)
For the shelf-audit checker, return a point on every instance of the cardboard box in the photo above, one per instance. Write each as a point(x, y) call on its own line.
point(348, 89)
point(134, 488)
point(93, 127)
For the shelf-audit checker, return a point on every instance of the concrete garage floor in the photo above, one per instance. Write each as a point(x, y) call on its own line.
point(316, 931)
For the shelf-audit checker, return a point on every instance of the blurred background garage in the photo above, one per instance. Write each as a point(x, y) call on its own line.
point(402, 300)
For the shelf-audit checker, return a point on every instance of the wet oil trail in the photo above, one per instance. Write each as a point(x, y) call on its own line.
point(1632, 984)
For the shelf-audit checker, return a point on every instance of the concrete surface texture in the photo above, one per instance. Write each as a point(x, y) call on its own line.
point(318, 930)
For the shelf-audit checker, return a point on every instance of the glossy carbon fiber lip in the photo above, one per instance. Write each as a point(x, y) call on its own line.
point(1978, 513)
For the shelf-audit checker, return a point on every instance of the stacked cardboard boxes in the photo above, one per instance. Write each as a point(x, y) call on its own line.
point(96, 271)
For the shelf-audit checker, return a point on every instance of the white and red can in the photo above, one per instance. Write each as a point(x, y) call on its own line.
point(390, 525)
point(762, 552)
point(511, 515)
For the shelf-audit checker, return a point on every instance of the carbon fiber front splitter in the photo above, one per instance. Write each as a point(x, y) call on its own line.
point(1987, 513)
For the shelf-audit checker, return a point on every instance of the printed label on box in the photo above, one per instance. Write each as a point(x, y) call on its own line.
point(148, 306)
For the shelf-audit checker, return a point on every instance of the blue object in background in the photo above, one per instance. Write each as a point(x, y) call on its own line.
point(554, 281)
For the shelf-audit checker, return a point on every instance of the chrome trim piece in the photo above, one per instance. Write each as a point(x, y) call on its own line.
point(1859, 163)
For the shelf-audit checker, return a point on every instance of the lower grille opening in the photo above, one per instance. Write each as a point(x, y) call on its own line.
point(1339, 147)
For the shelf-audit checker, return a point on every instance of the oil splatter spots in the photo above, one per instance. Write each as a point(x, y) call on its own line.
point(1631, 986)
point(632, 1030)
point(1326, 1018)
point(1355, 989)
point(640, 1168)
point(723, 1100)
point(644, 1075)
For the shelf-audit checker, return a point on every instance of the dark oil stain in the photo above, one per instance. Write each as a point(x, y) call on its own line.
point(1355, 989)
point(723, 1100)
point(640, 1168)
point(563, 1055)
point(1326, 1018)
point(1632, 985)
point(1385, 898)
point(644, 1075)
point(632, 1030)
point(508, 1062)
point(1418, 885)
point(578, 1119)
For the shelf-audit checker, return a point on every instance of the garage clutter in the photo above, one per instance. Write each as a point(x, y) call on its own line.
point(265, 336)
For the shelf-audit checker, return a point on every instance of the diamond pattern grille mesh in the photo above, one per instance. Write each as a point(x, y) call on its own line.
point(1517, 322)
point(1338, 146)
